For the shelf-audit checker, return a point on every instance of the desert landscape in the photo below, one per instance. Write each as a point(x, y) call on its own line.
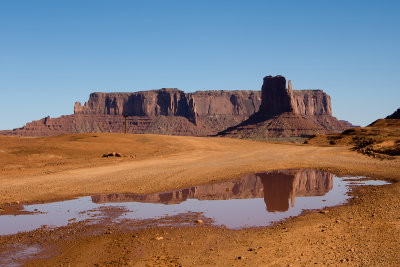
point(199, 133)
point(119, 168)
point(364, 231)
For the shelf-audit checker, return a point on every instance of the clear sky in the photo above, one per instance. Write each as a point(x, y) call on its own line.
point(53, 53)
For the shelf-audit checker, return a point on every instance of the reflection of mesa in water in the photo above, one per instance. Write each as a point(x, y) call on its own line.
point(275, 187)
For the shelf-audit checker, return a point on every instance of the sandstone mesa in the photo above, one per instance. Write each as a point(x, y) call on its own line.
point(276, 111)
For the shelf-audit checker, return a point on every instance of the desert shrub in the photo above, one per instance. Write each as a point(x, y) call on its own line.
point(362, 142)
point(335, 137)
point(349, 132)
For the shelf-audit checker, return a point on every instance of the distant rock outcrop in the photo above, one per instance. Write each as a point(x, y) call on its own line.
point(395, 115)
point(286, 112)
point(164, 111)
point(203, 113)
point(275, 98)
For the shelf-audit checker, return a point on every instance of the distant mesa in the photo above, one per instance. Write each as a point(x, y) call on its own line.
point(164, 111)
point(274, 111)
point(395, 115)
point(286, 112)
point(278, 188)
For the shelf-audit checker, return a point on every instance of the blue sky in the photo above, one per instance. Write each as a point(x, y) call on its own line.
point(53, 53)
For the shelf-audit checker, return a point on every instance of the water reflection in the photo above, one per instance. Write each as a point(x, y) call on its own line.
point(276, 187)
point(253, 200)
point(279, 187)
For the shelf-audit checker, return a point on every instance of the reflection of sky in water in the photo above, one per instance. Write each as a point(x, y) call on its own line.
point(233, 213)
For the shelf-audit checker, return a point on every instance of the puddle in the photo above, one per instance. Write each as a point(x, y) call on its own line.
point(19, 255)
point(253, 200)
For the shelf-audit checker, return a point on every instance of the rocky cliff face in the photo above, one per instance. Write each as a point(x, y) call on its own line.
point(311, 103)
point(164, 111)
point(277, 99)
point(286, 112)
point(171, 102)
point(203, 113)
point(275, 187)
point(166, 101)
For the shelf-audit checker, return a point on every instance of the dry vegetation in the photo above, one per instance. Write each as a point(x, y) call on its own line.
point(380, 140)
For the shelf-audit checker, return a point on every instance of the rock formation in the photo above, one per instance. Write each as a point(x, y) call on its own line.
point(395, 115)
point(164, 111)
point(203, 113)
point(275, 187)
point(286, 112)
point(275, 98)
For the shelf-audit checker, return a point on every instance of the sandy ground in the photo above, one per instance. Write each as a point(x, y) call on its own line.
point(364, 232)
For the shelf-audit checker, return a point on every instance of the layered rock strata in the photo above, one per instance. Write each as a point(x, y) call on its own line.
point(203, 113)
point(164, 111)
point(286, 112)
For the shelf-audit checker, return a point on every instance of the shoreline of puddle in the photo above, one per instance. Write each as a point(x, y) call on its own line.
point(15, 208)
point(265, 194)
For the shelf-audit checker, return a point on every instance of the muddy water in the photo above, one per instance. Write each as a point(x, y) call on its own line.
point(17, 255)
point(253, 200)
